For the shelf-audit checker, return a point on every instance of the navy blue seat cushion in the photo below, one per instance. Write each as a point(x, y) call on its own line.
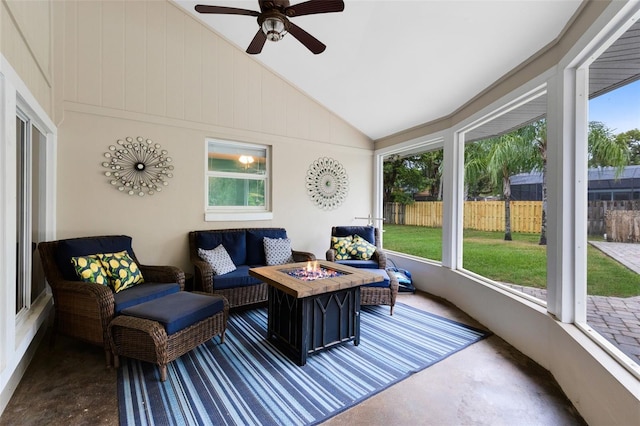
point(233, 241)
point(143, 293)
point(366, 232)
point(85, 246)
point(385, 283)
point(255, 243)
point(238, 278)
point(356, 263)
point(178, 310)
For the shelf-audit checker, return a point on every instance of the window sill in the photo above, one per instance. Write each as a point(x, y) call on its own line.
point(237, 216)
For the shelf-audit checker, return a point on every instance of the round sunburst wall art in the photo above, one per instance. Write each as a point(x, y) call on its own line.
point(327, 183)
point(138, 166)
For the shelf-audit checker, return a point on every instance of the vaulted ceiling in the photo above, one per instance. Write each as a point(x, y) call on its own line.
point(393, 65)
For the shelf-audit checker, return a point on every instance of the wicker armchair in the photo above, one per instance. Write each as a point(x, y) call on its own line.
point(369, 233)
point(369, 295)
point(84, 310)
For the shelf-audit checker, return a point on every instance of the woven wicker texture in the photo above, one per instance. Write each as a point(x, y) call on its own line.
point(148, 341)
point(84, 310)
point(381, 295)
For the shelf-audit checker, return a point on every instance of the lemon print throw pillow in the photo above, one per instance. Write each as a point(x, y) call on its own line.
point(122, 271)
point(342, 245)
point(89, 269)
point(361, 248)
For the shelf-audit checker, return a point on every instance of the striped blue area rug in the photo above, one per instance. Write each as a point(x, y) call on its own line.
point(247, 381)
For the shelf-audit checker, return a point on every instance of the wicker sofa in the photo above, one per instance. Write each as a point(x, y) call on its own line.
point(246, 249)
point(84, 310)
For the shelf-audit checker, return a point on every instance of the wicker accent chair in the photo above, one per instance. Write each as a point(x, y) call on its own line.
point(369, 294)
point(84, 310)
point(369, 233)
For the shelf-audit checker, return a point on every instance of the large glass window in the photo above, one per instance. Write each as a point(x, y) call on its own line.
point(505, 197)
point(613, 158)
point(237, 176)
point(412, 197)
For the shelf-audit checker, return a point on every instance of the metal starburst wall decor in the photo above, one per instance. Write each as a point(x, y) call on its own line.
point(138, 167)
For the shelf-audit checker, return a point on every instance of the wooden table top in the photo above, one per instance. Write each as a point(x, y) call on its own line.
point(277, 277)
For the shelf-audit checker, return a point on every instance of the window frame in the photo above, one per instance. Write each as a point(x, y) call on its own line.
point(238, 213)
point(16, 101)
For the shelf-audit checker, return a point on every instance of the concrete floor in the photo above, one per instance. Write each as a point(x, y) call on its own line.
point(488, 383)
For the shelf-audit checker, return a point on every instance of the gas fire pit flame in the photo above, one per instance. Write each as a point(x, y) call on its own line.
point(313, 271)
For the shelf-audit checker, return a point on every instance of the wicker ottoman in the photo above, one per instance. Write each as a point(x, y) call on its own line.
point(161, 330)
point(380, 293)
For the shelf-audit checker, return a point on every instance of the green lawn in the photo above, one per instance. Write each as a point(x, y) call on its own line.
point(521, 261)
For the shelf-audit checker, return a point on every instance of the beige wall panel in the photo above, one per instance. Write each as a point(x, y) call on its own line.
point(175, 62)
point(344, 133)
point(192, 82)
point(134, 55)
point(320, 125)
point(89, 205)
point(273, 104)
point(241, 89)
point(295, 118)
point(34, 20)
point(18, 53)
point(254, 82)
point(89, 49)
point(69, 65)
point(225, 94)
point(210, 79)
point(156, 58)
point(113, 48)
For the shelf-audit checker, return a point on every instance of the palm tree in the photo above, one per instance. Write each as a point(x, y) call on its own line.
point(604, 150)
point(537, 134)
point(510, 154)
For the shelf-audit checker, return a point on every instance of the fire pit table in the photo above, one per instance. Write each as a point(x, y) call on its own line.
point(313, 305)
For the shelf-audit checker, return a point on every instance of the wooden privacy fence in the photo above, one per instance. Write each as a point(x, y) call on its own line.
point(481, 215)
point(597, 213)
point(526, 216)
point(623, 226)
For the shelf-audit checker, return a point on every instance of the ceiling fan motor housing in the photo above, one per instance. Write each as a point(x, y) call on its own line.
point(274, 24)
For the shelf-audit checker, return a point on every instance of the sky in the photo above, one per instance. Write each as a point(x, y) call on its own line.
point(619, 109)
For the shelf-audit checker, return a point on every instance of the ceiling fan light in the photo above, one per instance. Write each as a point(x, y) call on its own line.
point(273, 28)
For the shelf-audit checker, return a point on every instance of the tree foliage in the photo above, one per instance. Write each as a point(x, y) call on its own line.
point(605, 149)
point(406, 176)
point(631, 138)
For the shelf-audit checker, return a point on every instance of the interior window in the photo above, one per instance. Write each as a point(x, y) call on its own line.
point(237, 176)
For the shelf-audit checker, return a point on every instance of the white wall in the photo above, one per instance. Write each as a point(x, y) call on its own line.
point(601, 389)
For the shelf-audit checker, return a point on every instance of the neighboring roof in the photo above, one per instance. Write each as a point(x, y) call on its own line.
point(595, 174)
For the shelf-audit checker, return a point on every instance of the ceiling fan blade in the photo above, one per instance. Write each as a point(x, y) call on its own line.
point(203, 8)
point(314, 6)
point(311, 43)
point(257, 43)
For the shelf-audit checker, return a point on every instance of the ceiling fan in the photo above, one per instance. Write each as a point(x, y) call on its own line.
point(274, 22)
